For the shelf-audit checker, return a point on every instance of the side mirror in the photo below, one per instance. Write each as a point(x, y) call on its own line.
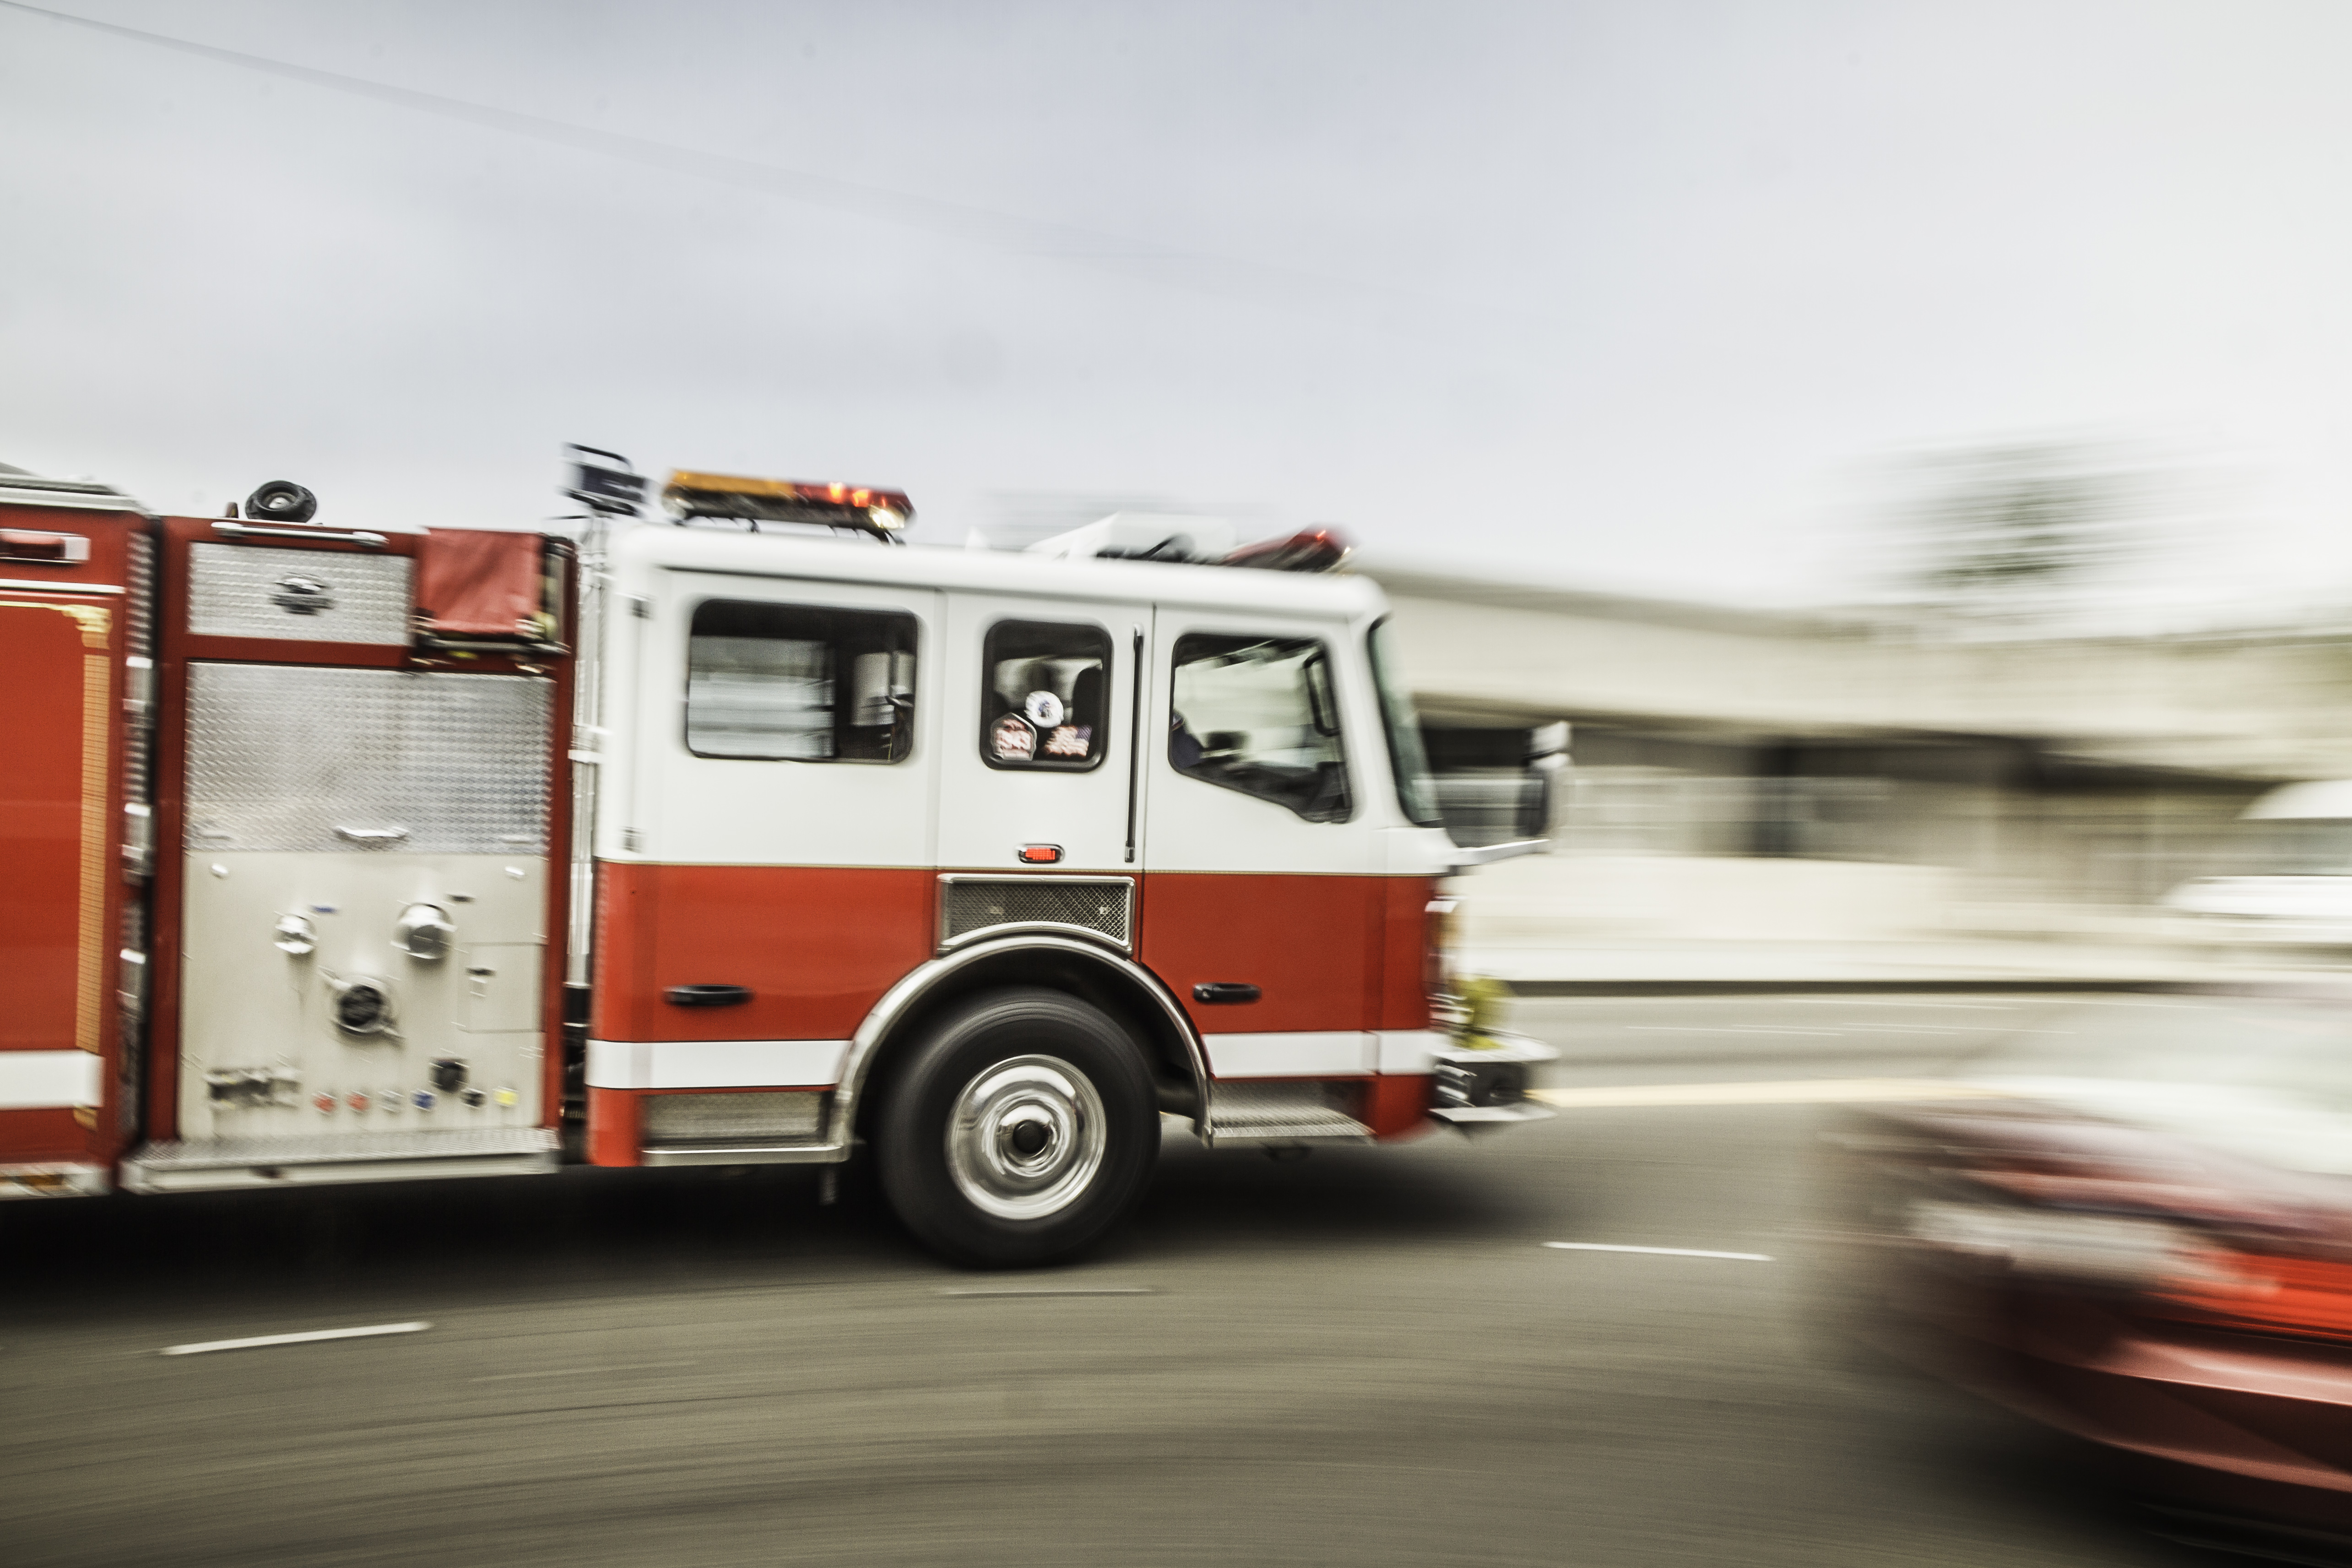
point(1547, 762)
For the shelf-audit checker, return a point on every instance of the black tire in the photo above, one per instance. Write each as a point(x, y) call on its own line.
point(1057, 1132)
point(281, 501)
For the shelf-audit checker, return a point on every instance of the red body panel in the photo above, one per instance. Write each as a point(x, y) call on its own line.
point(42, 806)
point(60, 822)
point(1319, 948)
point(1406, 979)
point(818, 945)
point(615, 1126)
point(1396, 1105)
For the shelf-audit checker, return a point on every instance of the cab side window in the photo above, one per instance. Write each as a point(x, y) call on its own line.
point(1044, 702)
point(1260, 715)
point(804, 683)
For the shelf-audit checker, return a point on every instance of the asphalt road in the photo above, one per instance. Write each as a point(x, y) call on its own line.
point(1367, 1356)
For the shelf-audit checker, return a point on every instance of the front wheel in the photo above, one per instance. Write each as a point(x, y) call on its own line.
point(1021, 1129)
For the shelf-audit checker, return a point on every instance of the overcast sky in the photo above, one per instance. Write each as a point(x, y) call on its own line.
point(1644, 295)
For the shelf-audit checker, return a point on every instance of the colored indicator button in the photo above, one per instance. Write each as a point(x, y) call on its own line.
point(473, 1096)
point(390, 1099)
point(509, 1098)
point(424, 1099)
point(357, 1099)
point(325, 1102)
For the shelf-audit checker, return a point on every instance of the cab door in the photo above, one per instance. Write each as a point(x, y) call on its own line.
point(1038, 746)
point(766, 837)
point(1263, 895)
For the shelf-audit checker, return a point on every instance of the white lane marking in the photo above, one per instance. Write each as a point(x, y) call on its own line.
point(1061, 1290)
point(1729, 1030)
point(1661, 1251)
point(579, 1370)
point(310, 1336)
point(1801, 1091)
point(1874, 1001)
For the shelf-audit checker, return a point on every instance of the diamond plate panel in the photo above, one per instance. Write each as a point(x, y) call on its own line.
point(789, 1117)
point(1279, 1113)
point(310, 596)
point(282, 756)
point(973, 906)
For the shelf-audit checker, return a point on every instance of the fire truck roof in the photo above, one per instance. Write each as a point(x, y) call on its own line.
point(1330, 596)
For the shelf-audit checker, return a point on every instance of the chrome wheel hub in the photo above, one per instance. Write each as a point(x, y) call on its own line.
point(1025, 1138)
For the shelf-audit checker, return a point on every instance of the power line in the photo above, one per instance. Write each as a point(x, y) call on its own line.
point(1267, 282)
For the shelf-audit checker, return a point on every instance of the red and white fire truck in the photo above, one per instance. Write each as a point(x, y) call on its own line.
point(341, 854)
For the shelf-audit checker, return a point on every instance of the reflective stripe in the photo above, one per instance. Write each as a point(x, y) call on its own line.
point(714, 1064)
point(1302, 1054)
point(43, 1079)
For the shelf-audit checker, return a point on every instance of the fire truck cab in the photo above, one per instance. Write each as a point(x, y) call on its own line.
point(349, 853)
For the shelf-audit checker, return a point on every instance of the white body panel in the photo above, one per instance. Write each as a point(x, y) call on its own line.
point(665, 804)
point(715, 1064)
point(1300, 1054)
point(1317, 1053)
point(1195, 825)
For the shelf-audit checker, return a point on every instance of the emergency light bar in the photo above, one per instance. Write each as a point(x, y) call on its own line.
point(1309, 550)
point(882, 513)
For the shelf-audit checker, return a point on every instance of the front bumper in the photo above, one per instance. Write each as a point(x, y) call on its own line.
point(1479, 1089)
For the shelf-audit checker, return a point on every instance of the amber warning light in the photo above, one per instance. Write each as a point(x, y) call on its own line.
point(882, 513)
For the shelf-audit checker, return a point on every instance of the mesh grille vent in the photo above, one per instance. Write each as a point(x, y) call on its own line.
point(788, 1118)
point(974, 906)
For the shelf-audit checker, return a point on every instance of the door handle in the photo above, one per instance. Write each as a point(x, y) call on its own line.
point(707, 995)
point(1221, 992)
point(372, 835)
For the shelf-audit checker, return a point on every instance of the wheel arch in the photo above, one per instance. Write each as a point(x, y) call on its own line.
point(1120, 986)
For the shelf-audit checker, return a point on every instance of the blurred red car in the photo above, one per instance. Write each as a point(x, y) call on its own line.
point(2141, 1235)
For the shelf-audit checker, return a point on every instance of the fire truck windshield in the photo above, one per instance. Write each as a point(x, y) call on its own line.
point(1407, 758)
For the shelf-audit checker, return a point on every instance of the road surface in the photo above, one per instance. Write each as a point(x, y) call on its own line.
point(1370, 1356)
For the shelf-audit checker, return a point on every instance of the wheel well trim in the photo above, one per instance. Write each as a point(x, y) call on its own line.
point(882, 1021)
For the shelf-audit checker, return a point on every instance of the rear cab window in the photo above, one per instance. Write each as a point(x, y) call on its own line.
point(804, 683)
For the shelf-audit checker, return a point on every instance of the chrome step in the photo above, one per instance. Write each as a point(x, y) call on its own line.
point(212, 1163)
point(1280, 1113)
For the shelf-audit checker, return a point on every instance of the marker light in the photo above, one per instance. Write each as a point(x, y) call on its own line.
point(1040, 854)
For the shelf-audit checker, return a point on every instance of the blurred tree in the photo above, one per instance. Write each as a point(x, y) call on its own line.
point(2018, 529)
